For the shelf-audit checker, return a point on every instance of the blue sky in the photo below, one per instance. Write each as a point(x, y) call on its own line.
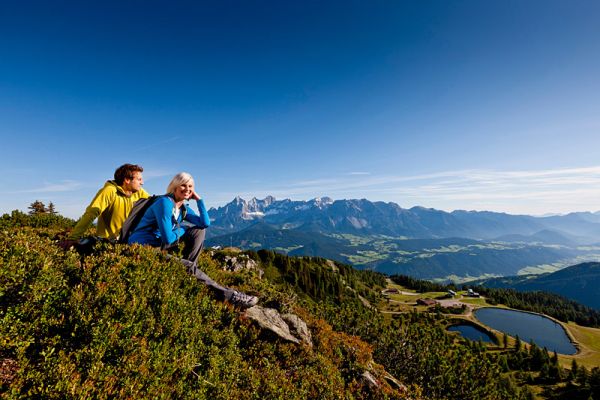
point(484, 105)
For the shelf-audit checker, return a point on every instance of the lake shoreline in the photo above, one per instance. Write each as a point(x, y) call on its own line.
point(544, 318)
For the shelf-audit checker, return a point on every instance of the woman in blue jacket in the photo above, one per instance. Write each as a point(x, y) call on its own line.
point(169, 221)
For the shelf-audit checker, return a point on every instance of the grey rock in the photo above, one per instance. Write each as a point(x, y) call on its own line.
point(395, 383)
point(369, 380)
point(241, 262)
point(298, 328)
point(269, 318)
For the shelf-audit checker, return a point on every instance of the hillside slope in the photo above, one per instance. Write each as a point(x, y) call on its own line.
point(579, 282)
point(128, 323)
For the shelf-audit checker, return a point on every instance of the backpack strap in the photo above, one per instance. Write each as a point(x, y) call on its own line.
point(135, 216)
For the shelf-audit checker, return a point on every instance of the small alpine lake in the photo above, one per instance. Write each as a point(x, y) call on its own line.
point(472, 332)
point(543, 331)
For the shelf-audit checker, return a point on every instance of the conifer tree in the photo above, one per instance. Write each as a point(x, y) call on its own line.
point(555, 358)
point(529, 394)
point(573, 372)
point(37, 207)
point(582, 376)
point(545, 373)
point(594, 381)
point(503, 364)
point(517, 343)
point(51, 209)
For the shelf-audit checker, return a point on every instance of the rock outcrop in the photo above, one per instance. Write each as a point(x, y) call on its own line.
point(288, 327)
point(298, 328)
point(240, 262)
point(369, 380)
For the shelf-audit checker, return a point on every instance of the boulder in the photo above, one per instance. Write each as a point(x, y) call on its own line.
point(239, 263)
point(395, 383)
point(369, 380)
point(289, 327)
point(298, 328)
point(269, 318)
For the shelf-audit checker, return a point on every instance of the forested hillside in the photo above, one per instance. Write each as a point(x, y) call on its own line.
point(579, 282)
point(126, 322)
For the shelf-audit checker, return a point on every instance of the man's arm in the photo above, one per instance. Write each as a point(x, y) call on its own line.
point(101, 201)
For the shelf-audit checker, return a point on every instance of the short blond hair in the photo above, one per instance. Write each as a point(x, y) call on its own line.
point(178, 180)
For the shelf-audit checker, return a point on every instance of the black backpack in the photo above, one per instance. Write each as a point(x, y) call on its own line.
point(135, 216)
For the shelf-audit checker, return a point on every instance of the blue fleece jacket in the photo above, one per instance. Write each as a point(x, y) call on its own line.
point(159, 226)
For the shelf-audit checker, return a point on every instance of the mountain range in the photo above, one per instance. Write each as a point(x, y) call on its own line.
point(379, 218)
point(421, 242)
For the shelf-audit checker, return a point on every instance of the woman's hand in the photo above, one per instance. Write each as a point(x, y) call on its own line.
point(195, 196)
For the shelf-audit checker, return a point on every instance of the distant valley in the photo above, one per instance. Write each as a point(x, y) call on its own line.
point(420, 242)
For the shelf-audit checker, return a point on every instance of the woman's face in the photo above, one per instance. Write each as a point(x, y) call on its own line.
point(184, 191)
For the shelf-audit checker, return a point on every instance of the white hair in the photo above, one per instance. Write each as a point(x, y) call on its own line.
point(178, 180)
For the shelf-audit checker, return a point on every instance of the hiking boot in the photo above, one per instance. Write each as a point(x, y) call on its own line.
point(243, 300)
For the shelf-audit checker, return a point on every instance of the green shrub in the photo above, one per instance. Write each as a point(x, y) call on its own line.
point(127, 322)
point(18, 219)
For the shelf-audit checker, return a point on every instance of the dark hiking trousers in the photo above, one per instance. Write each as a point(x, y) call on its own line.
point(193, 243)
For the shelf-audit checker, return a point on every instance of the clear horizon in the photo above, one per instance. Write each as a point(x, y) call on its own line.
point(473, 105)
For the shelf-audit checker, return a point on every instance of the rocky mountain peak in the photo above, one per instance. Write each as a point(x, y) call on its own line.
point(322, 201)
point(269, 200)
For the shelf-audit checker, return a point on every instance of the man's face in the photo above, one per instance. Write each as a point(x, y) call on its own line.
point(134, 184)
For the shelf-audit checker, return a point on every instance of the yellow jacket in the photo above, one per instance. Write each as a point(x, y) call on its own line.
point(111, 206)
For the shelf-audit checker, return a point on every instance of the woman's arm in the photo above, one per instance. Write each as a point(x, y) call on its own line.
point(164, 217)
point(202, 220)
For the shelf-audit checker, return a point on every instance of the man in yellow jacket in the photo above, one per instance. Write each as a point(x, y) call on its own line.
point(111, 205)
